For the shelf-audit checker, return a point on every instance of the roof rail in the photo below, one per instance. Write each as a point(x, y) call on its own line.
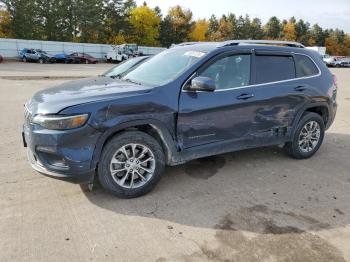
point(261, 42)
point(184, 44)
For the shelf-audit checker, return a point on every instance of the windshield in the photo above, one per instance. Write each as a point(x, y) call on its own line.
point(123, 67)
point(164, 67)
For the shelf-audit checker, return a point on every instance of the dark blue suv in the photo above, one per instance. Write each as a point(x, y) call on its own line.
point(190, 101)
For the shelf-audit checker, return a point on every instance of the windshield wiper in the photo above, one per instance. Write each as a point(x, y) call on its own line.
point(131, 81)
point(116, 76)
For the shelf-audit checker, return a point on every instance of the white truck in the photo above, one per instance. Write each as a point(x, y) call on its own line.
point(319, 49)
point(119, 53)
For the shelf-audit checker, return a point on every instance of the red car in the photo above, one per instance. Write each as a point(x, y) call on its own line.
point(1, 59)
point(77, 58)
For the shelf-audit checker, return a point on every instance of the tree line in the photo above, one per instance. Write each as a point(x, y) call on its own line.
point(119, 21)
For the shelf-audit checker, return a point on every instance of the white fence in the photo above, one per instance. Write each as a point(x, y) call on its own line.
point(10, 48)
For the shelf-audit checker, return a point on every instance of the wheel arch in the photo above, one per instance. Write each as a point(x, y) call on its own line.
point(154, 128)
point(318, 108)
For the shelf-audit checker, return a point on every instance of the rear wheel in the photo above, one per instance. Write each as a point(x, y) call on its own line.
point(131, 165)
point(308, 136)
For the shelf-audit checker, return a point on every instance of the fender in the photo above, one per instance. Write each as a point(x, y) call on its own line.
point(305, 108)
point(163, 132)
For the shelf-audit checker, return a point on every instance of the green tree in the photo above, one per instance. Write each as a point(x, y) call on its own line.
point(212, 27)
point(273, 28)
point(256, 31)
point(302, 31)
point(318, 35)
point(22, 16)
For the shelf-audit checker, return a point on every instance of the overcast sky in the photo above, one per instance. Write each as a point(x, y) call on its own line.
point(327, 13)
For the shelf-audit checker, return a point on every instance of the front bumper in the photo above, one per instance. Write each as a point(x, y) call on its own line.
point(65, 155)
point(79, 178)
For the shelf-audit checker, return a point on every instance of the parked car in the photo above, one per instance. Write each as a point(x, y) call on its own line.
point(78, 58)
point(191, 101)
point(61, 58)
point(1, 59)
point(345, 63)
point(119, 70)
point(25, 51)
point(36, 55)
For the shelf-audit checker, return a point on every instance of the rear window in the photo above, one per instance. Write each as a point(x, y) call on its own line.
point(271, 68)
point(305, 66)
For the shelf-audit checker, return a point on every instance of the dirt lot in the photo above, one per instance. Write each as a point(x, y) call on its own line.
point(255, 205)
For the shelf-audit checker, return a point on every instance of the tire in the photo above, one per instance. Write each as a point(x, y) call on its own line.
point(301, 151)
point(41, 61)
point(113, 151)
point(86, 61)
point(24, 59)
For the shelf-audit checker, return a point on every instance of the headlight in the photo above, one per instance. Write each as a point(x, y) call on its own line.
point(59, 122)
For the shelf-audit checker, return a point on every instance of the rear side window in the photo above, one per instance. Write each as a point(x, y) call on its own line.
point(305, 66)
point(270, 68)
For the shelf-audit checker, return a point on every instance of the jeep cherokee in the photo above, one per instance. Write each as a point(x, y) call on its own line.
point(190, 101)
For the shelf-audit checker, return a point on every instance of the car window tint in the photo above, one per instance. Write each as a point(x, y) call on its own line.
point(228, 72)
point(305, 66)
point(274, 68)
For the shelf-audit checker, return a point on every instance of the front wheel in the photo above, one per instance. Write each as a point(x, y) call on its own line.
point(131, 165)
point(308, 136)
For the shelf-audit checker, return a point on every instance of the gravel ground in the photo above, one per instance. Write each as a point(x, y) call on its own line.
point(254, 205)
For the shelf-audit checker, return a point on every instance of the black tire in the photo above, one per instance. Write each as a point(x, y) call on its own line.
point(24, 59)
point(293, 149)
point(41, 61)
point(118, 141)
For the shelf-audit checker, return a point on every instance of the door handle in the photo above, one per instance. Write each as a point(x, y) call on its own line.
point(300, 88)
point(245, 96)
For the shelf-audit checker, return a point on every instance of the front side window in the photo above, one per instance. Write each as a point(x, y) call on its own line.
point(270, 68)
point(305, 67)
point(229, 72)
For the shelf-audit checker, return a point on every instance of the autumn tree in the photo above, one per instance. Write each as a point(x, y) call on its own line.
point(289, 32)
point(200, 30)
point(145, 23)
point(5, 21)
point(176, 26)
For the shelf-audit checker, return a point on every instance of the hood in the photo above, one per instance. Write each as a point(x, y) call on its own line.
point(53, 100)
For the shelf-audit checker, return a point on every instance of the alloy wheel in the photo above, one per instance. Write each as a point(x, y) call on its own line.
point(309, 136)
point(132, 165)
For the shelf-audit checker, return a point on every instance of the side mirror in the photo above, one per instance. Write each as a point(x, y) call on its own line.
point(202, 83)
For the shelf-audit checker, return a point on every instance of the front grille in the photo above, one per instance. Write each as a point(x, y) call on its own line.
point(27, 116)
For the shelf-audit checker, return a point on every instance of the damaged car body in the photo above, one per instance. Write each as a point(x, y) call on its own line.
point(190, 101)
